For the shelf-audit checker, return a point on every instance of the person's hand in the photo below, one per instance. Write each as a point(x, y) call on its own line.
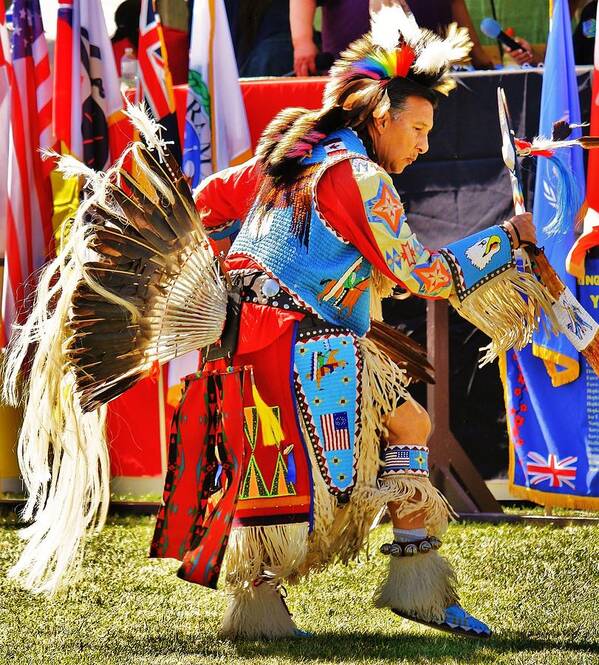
point(304, 58)
point(523, 56)
point(522, 229)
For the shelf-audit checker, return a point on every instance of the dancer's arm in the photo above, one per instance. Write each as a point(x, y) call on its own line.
point(224, 199)
point(358, 199)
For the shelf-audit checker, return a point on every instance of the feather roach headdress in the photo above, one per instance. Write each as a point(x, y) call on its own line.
point(395, 47)
point(358, 89)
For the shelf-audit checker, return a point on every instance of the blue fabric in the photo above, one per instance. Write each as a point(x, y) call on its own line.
point(554, 431)
point(314, 269)
point(559, 100)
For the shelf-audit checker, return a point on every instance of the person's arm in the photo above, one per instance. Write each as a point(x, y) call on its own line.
point(301, 20)
point(358, 199)
point(461, 16)
point(223, 200)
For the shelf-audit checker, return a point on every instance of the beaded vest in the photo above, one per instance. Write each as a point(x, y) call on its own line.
point(285, 234)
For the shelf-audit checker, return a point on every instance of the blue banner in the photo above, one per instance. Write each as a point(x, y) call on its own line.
point(554, 432)
point(559, 101)
point(552, 396)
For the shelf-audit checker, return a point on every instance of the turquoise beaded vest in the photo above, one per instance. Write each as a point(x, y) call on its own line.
point(319, 269)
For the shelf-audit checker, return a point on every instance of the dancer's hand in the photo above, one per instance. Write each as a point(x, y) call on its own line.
point(522, 229)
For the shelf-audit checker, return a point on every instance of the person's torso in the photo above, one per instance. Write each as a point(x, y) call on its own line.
point(306, 258)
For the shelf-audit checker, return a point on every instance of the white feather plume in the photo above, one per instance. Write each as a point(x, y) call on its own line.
point(71, 167)
point(390, 23)
point(439, 53)
point(147, 127)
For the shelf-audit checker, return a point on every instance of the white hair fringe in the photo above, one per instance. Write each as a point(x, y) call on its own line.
point(62, 451)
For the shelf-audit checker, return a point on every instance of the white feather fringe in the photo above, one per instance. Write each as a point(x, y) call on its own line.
point(256, 612)
point(438, 53)
point(390, 23)
point(62, 453)
point(423, 585)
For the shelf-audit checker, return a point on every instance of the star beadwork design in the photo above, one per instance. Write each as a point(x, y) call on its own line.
point(387, 207)
point(436, 276)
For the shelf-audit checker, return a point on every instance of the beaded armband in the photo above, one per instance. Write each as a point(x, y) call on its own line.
point(404, 460)
point(478, 258)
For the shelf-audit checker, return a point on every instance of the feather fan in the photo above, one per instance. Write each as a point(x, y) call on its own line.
point(151, 289)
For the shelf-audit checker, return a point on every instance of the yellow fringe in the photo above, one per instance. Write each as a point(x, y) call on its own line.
point(382, 287)
point(551, 359)
point(507, 309)
point(553, 500)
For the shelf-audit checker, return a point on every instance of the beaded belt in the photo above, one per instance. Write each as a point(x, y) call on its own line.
point(257, 287)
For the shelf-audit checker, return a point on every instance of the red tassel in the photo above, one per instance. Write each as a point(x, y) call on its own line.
point(154, 371)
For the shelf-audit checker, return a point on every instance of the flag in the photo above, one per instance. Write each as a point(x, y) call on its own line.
point(154, 75)
point(29, 239)
point(216, 128)
point(4, 122)
point(335, 431)
point(87, 97)
point(551, 394)
point(590, 232)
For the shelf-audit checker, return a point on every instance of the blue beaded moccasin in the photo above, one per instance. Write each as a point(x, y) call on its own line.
point(456, 621)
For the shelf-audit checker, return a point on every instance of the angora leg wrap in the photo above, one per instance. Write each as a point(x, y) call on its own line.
point(422, 585)
point(256, 612)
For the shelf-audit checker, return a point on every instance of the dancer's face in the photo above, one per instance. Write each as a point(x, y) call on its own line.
point(400, 137)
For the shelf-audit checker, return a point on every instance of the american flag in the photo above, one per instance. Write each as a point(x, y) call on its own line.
point(335, 431)
point(154, 74)
point(397, 457)
point(4, 120)
point(29, 237)
point(558, 472)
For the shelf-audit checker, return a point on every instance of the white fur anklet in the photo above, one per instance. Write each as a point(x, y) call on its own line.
point(422, 585)
point(257, 611)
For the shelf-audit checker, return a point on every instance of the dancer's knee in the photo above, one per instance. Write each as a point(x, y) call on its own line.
point(409, 423)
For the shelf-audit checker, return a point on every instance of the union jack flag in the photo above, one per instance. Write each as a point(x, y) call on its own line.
point(335, 431)
point(558, 472)
point(154, 74)
point(29, 236)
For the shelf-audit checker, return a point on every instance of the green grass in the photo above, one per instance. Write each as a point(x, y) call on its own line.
point(537, 587)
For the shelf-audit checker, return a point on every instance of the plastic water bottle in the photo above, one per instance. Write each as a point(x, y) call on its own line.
point(128, 69)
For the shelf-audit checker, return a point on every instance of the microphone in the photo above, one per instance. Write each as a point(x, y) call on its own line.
point(491, 28)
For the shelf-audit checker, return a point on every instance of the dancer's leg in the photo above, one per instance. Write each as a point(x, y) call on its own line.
point(420, 583)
